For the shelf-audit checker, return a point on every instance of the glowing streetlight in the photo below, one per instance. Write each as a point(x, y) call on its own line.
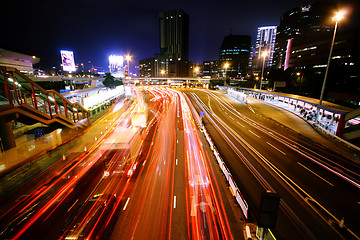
point(264, 55)
point(162, 72)
point(338, 17)
point(128, 58)
point(196, 70)
point(226, 66)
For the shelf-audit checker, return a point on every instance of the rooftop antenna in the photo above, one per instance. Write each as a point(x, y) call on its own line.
point(230, 30)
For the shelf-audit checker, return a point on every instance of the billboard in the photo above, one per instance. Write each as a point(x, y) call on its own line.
point(67, 61)
point(116, 64)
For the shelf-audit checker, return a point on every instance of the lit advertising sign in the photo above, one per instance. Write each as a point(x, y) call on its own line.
point(67, 61)
point(116, 64)
point(116, 61)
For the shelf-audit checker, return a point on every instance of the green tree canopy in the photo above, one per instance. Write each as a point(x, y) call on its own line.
point(110, 81)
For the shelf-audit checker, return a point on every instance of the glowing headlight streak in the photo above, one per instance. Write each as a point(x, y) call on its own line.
point(66, 188)
point(206, 211)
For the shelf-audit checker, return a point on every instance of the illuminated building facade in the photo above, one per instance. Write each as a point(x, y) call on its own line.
point(210, 69)
point(235, 56)
point(174, 41)
point(312, 20)
point(265, 41)
point(303, 44)
point(146, 67)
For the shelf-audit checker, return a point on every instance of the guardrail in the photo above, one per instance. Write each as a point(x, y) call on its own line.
point(233, 187)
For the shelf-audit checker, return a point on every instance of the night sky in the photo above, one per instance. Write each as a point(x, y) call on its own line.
point(96, 29)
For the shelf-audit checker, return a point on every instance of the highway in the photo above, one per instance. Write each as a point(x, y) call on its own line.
point(41, 206)
point(318, 186)
point(145, 171)
point(176, 195)
point(140, 172)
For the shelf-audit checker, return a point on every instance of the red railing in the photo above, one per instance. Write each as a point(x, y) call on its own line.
point(17, 89)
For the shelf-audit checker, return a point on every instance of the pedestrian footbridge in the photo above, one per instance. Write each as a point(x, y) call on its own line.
point(23, 100)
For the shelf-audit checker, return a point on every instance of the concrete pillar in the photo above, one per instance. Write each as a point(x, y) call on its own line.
point(7, 135)
point(341, 126)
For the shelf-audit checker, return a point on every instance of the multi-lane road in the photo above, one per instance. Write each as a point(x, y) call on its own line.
point(145, 171)
point(176, 195)
point(140, 172)
point(318, 186)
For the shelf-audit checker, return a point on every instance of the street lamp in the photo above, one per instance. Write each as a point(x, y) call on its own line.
point(128, 58)
point(338, 16)
point(196, 70)
point(162, 72)
point(226, 66)
point(264, 54)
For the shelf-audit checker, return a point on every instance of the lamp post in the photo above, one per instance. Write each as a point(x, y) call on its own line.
point(128, 58)
point(338, 16)
point(226, 66)
point(196, 70)
point(264, 54)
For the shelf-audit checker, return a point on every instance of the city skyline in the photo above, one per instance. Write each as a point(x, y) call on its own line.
point(94, 31)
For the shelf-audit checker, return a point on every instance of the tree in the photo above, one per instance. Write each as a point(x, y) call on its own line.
point(110, 81)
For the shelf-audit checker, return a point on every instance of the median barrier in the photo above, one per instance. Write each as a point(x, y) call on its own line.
point(236, 192)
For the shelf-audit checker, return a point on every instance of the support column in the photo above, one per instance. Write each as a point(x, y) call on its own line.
point(7, 135)
point(341, 126)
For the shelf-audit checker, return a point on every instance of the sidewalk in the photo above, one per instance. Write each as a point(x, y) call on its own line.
point(291, 118)
point(26, 150)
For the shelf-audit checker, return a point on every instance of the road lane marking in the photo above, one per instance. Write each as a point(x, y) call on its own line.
point(251, 109)
point(240, 124)
point(177, 141)
point(254, 133)
point(73, 205)
point(276, 148)
point(231, 118)
point(132, 237)
point(316, 174)
point(174, 201)
point(176, 161)
point(127, 201)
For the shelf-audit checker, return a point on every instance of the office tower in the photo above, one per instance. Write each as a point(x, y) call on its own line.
point(313, 21)
point(265, 42)
point(174, 40)
point(235, 55)
point(303, 42)
point(146, 67)
point(210, 69)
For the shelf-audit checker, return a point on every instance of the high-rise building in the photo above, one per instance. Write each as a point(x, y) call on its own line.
point(303, 42)
point(174, 40)
point(313, 20)
point(146, 67)
point(265, 41)
point(210, 69)
point(235, 55)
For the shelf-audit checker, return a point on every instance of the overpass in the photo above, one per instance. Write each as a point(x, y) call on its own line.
point(172, 81)
point(23, 100)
